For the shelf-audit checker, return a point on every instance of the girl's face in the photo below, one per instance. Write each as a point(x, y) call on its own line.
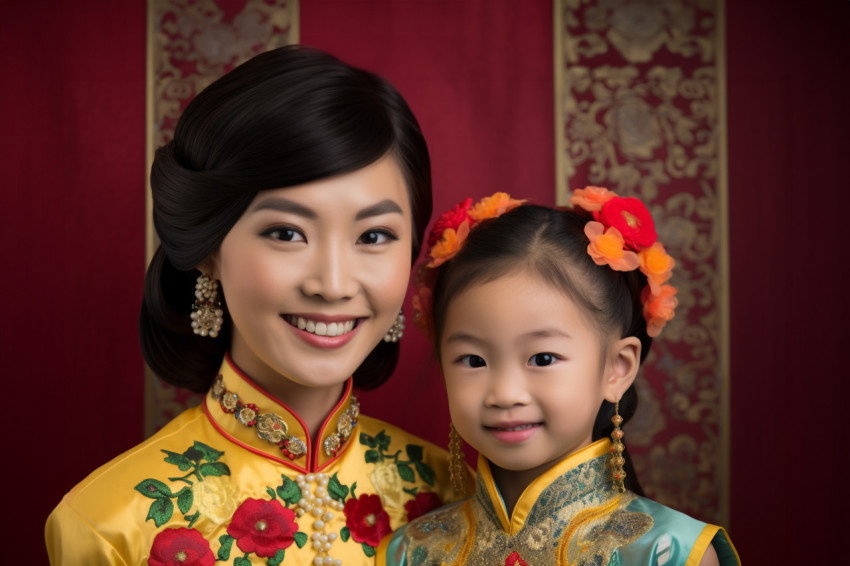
point(314, 275)
point(525, 372)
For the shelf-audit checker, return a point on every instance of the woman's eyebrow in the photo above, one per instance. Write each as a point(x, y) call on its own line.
point(285, 205)
point(384, 207)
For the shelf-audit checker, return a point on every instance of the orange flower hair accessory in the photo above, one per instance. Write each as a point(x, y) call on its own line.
point(622, 235)
point(444, 242)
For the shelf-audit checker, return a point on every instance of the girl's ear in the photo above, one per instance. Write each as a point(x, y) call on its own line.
point(622, 367)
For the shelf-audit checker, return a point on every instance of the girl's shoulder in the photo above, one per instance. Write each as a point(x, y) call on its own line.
point(676, 534)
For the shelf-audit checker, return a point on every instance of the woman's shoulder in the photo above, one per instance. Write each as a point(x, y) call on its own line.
point(387, 433)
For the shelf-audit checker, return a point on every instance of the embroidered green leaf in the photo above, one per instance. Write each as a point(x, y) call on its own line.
point(226, 542)
point(179, 460)
point(336, 489)
point(344, 534)
point(214, 469)
point(242, 561)
point(160, 511)
point(411, 490)
point(368, 550)
point(414, 452)
point(406, 472)
point(190, 519)
point(271, 493)
point(353, 487)
point(383, 440)
point(185, 498)
point(300, 539)
point(194, 455)
point(289, 491)
point(209, 454)
point(154, 489)
point(276, 559)
point(372, 456)
point(418, 556)
point(367, 440)
point(425, 472)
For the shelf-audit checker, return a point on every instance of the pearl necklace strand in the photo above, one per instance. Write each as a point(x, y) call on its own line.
point(319, 504)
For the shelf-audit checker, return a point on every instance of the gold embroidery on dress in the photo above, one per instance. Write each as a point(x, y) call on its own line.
point(577, 520)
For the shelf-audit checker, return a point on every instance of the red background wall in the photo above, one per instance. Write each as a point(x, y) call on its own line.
point(478, 75)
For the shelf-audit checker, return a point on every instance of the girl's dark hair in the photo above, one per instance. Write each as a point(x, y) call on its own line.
point(285, 117)
point(551, 244)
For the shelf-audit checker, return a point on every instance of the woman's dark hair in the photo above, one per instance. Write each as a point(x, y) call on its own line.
point(285, 117)
point(551, 244)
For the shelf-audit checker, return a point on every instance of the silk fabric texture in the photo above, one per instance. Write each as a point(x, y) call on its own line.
point(569, 515)
point(211, 488)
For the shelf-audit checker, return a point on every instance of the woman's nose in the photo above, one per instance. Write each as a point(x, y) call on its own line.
point(331, 273)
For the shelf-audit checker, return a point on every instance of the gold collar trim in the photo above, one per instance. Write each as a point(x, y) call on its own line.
point(275, 424)
point(530, 495)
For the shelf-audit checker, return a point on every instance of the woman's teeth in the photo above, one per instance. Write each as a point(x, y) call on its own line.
point(321, 328)
point(519, 427)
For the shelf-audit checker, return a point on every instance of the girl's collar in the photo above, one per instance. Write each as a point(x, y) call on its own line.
point(251, 417)
point(530, 495)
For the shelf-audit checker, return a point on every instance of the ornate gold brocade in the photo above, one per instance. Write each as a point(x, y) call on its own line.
point(639, 108)
point(578, 518)
point(190, 44)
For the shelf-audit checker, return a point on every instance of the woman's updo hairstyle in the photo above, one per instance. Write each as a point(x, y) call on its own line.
point(551, 244)
point(285, 117)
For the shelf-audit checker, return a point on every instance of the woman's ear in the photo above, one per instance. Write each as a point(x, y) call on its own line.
point(209, 267)
point(622, 367)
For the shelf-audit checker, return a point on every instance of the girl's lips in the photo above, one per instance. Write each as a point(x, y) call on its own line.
point(513, 433)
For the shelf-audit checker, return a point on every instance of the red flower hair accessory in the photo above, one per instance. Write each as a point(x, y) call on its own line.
point(622, 235)
point(444, 242)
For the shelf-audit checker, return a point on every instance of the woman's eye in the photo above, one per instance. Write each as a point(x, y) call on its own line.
point(544, 359)
point(472, 361)
point(373, 237)
point(284, 234)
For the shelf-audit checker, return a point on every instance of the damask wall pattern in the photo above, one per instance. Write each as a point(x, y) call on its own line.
point(640, 110)
point(190, 44)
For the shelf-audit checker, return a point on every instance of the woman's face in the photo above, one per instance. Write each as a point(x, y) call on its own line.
point(314, 275)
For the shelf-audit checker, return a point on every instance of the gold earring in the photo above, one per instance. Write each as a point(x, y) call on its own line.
point(617, 460)
point(206, 312)
point(457, 462)
point(396, 331)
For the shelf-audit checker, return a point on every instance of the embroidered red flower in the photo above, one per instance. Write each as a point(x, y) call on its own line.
point(515, 560)
point(263, 527)
point(450, 219)
point(424, 502)
point(180, 547)
point(366, 519)
point(629, 216)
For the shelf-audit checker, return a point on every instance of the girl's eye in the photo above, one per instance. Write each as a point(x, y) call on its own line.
point(374, 237)
point(285, 234)
point(544, 359)
point(472, 361)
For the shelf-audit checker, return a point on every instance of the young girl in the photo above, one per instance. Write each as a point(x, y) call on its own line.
point(541, 319)
point(289, 207)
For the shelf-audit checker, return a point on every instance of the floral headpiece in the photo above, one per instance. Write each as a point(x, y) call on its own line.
point(445, 241)
point(622, 235)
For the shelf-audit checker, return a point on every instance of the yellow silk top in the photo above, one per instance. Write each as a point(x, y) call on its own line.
point(571, 515)
point(237, 480)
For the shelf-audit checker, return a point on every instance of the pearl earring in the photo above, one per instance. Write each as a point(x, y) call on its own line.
point(396, 331)
point(206, 312)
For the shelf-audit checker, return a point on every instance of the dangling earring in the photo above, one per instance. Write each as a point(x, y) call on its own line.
point(206, 312)
point(617, 447)
point(457, 463)
point(396, 331)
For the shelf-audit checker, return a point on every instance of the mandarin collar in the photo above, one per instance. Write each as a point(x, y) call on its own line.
point(488, 491)
point(251, 417)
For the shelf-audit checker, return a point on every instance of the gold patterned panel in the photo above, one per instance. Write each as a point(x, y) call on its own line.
point(640, 109)
point(190, 44)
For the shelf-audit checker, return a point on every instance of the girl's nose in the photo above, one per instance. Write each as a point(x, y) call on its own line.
point(507, 388)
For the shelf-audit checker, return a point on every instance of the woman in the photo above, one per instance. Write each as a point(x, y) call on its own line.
point(290, 206)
